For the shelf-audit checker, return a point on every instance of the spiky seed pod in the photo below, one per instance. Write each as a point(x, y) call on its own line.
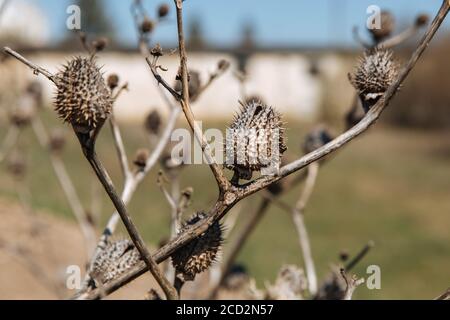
point(197, 255)
point(236, 278)
point(157, 51)
point(255, 140)
point(194, 82)
point(140, 160)
point(316, 138)
point(147, 25)
point(115, 259)
point(373, 75)
point(344, 255)
point(387, 26)
point(57, 141)
point(112, 81)
point(152, 294)
point(422, 20)
point(223, 65)
point(82, 98)
point(333, 288)
point(290, 284)
point(163, 10)
point(100, 44)
point(153, 122)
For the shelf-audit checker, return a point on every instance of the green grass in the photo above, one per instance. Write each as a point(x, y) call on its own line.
point(389, 186)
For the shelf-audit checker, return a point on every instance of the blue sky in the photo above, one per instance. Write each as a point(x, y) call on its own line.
point(276, 23)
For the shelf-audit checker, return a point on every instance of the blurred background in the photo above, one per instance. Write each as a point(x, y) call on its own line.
point(391, 185)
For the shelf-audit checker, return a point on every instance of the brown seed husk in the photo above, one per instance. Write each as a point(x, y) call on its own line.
point(82, 97)
point(198, 255)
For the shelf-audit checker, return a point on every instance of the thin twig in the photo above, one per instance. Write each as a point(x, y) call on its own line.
point(444, 296)
point(120, 148)
point(364, 251)
point(351, 284)
point(36, 69)
point(159, 79)
point(400, 38)
point(212, 77)
point(138, 241)
point(117, 137)
point(222, 181)
point(298, 214)
point(131, 184)
point(160, 181)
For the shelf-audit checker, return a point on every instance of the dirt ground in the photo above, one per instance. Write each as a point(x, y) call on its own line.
point(36, 248)
point(35, 251)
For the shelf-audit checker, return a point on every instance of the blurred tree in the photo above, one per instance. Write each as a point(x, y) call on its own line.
point(246, 46)
point(196, 40)
point(248, 36)
point(94, 18)
point(94, 22)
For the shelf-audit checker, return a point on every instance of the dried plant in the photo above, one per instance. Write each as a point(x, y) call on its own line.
point(199, 254)
point(254, 141)
point(374, 74)
point(85, 100)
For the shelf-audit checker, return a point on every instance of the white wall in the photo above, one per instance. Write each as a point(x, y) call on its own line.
point(283, 80)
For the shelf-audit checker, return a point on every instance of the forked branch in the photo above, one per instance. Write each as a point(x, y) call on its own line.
point(222, 181)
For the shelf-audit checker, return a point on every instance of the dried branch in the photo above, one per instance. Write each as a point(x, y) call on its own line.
point(391, 42)
point(352, 263)
point(222, 181)
point(212, 77)
point(298, 217)
point(36, 69)
point(444, 296)
point(160, 181)
point(87, 143)
point(352, 283)
point(184, 200)
point(400, 38)
point(120, 148)
point(91, 156)
point(159, 79)
point(117, 137)
point(131, 184)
